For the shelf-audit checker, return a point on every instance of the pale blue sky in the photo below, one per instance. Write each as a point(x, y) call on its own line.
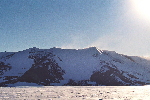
point(106, 24)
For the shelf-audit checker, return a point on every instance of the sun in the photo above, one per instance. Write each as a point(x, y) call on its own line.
point(142, 7)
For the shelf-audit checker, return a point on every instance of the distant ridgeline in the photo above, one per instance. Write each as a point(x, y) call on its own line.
point(72, 67)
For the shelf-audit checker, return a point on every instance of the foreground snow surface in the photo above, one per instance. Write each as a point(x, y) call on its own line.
point(75, 93)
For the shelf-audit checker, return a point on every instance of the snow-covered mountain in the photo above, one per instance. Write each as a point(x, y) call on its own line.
point(82, 67)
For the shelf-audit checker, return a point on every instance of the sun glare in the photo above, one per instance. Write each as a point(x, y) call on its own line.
point(142, 7)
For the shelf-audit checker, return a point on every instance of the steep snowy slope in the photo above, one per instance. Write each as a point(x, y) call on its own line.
point(18, 63)
point(57, 66)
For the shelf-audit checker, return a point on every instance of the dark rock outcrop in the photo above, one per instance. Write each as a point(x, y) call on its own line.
point(44, 71)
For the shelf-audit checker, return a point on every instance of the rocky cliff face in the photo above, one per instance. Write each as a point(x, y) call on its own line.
point(83, 67)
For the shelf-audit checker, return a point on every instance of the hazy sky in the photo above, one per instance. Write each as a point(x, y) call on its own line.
point(115, 25)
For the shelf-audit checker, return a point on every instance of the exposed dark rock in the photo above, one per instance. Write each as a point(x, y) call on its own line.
point(109, 76)
point(44, 71)
point(72, 82)
point(105, 78)
point(9, 80)
point(4, 67)
point(7, 56)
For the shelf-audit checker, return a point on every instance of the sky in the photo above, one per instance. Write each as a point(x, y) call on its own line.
point(114, 25)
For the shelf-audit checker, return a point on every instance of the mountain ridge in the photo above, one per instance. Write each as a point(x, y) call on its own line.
point(73, 67)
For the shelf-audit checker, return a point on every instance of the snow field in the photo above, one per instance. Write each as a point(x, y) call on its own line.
point(76, 93)
point(76, 61)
